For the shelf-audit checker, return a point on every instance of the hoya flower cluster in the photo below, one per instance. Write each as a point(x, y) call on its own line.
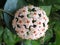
point(30, 22)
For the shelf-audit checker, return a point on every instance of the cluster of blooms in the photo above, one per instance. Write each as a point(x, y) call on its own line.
point(30, 22)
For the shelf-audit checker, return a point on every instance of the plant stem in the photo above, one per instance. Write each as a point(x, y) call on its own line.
point(6, 12)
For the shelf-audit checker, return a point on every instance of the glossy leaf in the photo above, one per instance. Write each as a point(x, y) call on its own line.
point(10, 38)
point(30, 42)
point(34, 42)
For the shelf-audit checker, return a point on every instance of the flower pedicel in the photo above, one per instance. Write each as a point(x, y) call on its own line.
point(30, 22)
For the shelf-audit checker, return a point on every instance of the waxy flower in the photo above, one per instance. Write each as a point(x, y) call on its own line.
point(30, 22)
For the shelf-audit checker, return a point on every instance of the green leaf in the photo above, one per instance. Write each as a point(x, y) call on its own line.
point(55, 7)
point(55, 17)
point(27, 42)
point(30, 42)
point(57, 30)
point(47, 9)
point(9, 38)
point(51, 2)
point(43, 2)
point(57, 1)
point(48, 35)
point(1, 31)
point(34, 42)
point(20, 4)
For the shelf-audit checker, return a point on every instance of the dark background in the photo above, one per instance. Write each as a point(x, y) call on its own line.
point(2, 2)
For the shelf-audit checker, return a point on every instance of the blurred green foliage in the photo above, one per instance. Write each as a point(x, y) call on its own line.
point(50, 6)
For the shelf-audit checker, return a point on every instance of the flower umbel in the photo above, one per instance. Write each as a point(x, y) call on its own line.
point(30, 22)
